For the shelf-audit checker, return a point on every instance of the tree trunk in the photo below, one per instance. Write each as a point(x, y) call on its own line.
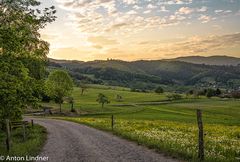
point(82, 91)
point(72, 108)
point(60, 106)
point(102, 105)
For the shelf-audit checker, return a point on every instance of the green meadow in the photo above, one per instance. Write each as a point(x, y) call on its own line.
point(152, 106)
point(152, 120)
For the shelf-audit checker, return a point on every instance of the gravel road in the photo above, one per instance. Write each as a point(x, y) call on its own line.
point(72, 142)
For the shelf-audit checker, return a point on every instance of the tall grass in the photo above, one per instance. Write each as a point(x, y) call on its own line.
point(174, 138)
point(32, 146)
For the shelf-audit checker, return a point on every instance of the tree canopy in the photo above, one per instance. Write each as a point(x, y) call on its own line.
point(59, 85)
point(102, 99)
point(159, 90)
point(22, 54)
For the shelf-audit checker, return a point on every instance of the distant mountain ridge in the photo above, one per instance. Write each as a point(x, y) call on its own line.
point(211, 60)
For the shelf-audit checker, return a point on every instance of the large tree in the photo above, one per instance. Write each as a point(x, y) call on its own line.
point(59, 85)
point(22, 54)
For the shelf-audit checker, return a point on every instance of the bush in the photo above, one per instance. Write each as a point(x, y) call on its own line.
point(218, 92)
point(174, 96)
point(210, 93)
point(159, 90)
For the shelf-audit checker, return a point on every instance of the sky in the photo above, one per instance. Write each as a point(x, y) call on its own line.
point(142, 29)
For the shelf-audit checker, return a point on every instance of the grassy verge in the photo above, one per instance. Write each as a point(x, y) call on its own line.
point(174, 138)
point(32, 146)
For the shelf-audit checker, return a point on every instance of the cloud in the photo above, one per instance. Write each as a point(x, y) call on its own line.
point(132, 12)
point(99, 17)
point(163, 9)
point(71, 53)
point(185, 10)
point(147, 11)
point(197, 45)
point(151, 6)
point(223, 11)
point(137, 7)
point(49, 37)
point(218, 11)
point(102, 41)
point(97, 46)
point(105, 26)
point(175, 2)
point(204, 18)
point(116, 26)
point(130, 1)
point(202, 9)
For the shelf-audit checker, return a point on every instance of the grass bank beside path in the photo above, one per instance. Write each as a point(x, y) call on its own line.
point(36, 138)
point(176, 139)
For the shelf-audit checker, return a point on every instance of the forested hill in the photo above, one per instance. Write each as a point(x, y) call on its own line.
point(149, 74)
point(212, 60)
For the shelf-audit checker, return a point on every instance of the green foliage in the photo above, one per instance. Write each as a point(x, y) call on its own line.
point(102, 99)
point(218, 92)
point(59, 85)
point(159, 90)
point(14, 87)
point(147, 75)
point(22, 55)
point(174, 96)
point(210, 93)
point(36, 138)
point(190, 92)
point(205, 92)
point(22, 38)
point(119, 98)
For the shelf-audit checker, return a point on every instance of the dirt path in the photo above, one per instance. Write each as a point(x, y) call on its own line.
point(72, 142)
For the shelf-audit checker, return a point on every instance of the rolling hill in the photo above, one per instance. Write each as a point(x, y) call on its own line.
point(149, 74)
point(212, 60)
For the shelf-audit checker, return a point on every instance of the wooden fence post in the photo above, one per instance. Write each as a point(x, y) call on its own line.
point(8, 140)
point(24, 132)
point(200, 135)
point(32, 123)
point(112, 122)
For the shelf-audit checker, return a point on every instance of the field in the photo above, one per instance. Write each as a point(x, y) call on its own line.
point(167, 126)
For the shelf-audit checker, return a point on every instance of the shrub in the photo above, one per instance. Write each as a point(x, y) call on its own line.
point(210, 93)
point(174, 96)
point(159, 90)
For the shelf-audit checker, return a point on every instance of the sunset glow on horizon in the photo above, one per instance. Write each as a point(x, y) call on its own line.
point(143, 29)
